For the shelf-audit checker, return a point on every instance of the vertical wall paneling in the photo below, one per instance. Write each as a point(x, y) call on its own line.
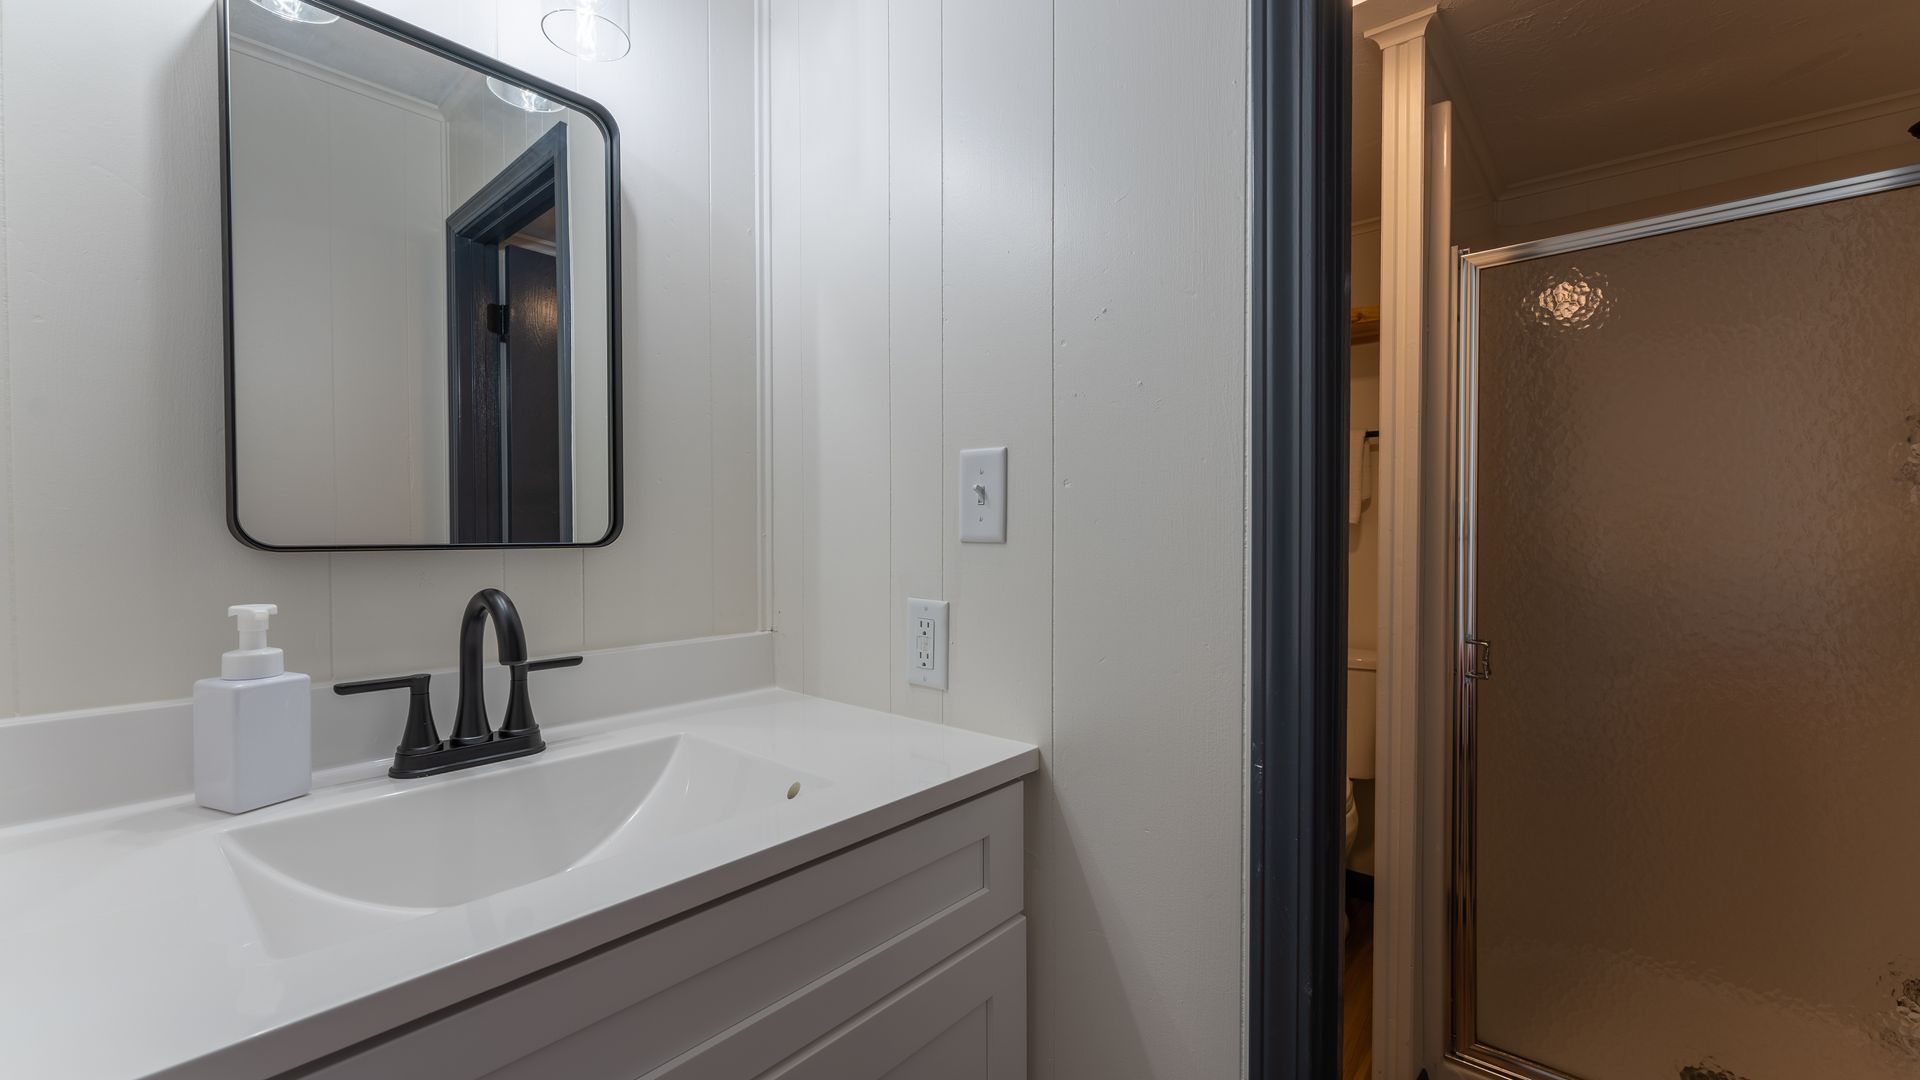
point(7, 609)
point(843, 343)
point(915, 316)
point(113, 247)
point(393, 614)
point(1149, 432)
point(656, 584)
point(549, 588)
point(733, 371)
point(997, 79)
point(788, 375)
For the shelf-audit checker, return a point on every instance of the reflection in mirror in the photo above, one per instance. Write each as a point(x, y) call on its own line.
point(421, 295)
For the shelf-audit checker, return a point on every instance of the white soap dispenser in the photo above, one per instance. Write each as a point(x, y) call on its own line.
point(252, 726)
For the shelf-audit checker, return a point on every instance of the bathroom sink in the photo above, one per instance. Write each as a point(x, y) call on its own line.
point(313, 878)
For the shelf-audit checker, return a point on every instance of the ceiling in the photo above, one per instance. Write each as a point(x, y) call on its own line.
point(1560, 85)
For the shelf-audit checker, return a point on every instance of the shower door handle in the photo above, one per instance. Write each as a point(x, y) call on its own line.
point(1479, 659)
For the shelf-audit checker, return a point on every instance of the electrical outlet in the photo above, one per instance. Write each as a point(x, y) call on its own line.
point(927, 643)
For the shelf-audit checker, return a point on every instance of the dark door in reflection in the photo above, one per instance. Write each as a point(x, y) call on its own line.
point(535, 416)
point(510, 384)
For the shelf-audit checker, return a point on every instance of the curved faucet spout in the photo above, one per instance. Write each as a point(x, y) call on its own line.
point(470, 715)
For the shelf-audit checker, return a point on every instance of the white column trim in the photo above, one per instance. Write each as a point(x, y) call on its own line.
point(1397, 1006)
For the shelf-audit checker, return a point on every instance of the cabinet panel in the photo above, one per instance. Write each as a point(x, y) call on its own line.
point(780, 964)
point(964, 1020)
point(959, 1053)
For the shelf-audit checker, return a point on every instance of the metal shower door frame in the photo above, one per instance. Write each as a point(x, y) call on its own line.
point(1464, 1044)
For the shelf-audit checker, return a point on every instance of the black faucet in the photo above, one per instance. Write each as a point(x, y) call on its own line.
point(470, 726)
point(475, 742)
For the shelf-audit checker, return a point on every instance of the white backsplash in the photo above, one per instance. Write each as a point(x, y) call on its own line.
point(71, 763)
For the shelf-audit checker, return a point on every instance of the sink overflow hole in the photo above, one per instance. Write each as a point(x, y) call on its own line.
point(794, 790)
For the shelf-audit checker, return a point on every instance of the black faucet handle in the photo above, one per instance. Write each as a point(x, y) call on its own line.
point(416, 683)
point(420, 736)
point(519, 719)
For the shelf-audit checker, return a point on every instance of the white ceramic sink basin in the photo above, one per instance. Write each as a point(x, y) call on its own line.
point(315, 878)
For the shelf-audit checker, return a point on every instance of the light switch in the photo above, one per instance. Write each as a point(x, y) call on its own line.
point(927, 643)
point(983, 496)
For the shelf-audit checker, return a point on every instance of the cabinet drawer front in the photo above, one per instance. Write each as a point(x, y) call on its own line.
point(790, 958)
point(964, 1020)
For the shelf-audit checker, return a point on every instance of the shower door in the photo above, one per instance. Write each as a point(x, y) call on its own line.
point(1687, 792)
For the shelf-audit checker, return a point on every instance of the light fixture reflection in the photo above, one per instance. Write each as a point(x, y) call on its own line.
point(295, 11)
point(589, 29)
point(1570, 300)
point(522, 98)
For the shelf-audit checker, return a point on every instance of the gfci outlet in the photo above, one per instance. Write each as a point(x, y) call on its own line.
point(927, 643)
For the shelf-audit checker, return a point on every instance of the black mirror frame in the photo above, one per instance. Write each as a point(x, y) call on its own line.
point(378, 22)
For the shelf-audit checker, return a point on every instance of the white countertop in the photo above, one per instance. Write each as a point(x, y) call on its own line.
point(128, 950)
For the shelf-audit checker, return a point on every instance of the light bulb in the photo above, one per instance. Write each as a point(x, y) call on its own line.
point(295, 11)
point(522, 98)
point(588, 29)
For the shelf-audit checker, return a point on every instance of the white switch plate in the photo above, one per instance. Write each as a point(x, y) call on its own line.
point(927, 643)
point(983, 496)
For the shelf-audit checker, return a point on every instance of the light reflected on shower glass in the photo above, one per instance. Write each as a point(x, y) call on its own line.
point(1570, 299)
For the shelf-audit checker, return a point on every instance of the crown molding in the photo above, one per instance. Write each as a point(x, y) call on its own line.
point(1895, 105)
point(300, 65)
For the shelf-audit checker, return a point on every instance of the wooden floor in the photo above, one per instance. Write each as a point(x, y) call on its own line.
point(1356, 1039)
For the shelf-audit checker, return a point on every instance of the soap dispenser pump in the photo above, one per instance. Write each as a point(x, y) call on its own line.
point(252, 726)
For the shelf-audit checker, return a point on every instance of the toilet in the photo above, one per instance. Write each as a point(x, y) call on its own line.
point(1362, 669)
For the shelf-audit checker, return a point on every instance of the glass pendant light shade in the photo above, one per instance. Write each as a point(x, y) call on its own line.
point(295, 11)
point(522, 98)
point(589, 29)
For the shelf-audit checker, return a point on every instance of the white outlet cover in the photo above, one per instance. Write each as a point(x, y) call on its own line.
point(926, 643)
point(983, 496)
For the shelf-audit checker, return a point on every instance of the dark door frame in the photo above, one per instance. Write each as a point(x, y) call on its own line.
point(531, 184)
point(1300, 106)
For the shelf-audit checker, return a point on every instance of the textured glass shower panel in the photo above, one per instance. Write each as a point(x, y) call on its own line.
point(1698, 559)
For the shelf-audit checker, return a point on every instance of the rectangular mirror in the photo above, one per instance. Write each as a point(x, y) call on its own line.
point(422, 291)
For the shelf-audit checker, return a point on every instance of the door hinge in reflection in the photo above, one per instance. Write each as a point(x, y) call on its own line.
point(1479, 659)
point(497, 319)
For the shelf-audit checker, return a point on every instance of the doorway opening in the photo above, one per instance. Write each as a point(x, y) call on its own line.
point(1636, 435)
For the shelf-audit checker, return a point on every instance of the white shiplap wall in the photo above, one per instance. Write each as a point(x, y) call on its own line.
point(1003, 222)
point(115, 564)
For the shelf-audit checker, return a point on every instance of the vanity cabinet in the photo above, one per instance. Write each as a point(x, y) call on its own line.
point(903, 958)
